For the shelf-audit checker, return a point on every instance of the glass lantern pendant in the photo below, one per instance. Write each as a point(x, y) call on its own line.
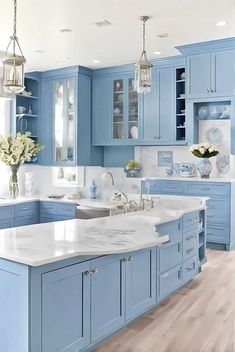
point(13, 64)
point(143, 67)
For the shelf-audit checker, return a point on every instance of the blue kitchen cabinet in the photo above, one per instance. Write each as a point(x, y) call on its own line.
point(159, 116)
point(54, 211)
point(7, 223)
point(6, 217)
point(107, 295)
point(210, 74)
point(66, 308)
point(66, 110)
point(140, 282)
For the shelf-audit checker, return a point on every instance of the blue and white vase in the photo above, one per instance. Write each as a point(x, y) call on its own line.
point(204, 167)
point(131, 172)
point(93, 189)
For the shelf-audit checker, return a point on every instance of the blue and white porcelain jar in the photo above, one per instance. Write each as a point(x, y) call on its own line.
point(204, 167)
point(93, 189)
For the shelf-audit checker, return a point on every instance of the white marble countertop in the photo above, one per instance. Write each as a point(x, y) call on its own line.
point(195, 179)
point(40, 244)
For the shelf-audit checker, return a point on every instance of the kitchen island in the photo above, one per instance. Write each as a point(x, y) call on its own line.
point(65, 286)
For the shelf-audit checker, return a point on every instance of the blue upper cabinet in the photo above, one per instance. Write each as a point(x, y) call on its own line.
point(210, 70)
point(158, 125)
point(66, 118)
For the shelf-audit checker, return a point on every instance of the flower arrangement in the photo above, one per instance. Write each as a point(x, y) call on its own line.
point(14, 151)
point(204, 150)
point(132, 168)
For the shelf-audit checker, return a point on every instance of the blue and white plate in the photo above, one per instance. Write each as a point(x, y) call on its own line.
point(223, 164)
point(214, 135)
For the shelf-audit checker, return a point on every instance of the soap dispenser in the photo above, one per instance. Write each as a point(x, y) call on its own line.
point(93, 189)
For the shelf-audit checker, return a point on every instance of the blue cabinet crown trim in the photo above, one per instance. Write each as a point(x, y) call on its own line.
point(208, 46)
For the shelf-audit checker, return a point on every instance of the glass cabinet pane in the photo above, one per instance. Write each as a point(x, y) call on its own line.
point(118, 107)
point(65, 115)
point(133, 124)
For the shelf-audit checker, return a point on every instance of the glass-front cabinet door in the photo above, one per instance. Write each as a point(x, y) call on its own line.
point(125, 114)
point(64, 121)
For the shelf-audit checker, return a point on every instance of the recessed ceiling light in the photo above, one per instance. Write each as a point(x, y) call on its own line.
point(157, 53)
point(68, 58)
point(221, 23)
point(103, 23)
point(66, 30)
point(96, 61)
point(163, 35)
point(39, 51)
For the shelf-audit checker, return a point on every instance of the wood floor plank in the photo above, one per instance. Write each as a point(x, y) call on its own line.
point(198, 318)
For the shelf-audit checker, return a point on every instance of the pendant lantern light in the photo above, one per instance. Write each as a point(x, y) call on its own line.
point(13, 64)
point(143, 67)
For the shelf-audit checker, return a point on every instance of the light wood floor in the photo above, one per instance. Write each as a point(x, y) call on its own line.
point(198, 318)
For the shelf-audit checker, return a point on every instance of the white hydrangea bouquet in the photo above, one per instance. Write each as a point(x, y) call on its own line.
point(204, 151)
point(14, 151)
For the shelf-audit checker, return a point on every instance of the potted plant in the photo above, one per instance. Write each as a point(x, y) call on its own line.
point(204, 151)
point(14, 151)
point(132, 168)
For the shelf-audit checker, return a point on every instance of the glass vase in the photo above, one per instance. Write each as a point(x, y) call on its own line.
point(13, 184)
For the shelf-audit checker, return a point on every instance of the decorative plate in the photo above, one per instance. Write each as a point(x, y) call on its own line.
point(214, 135)
point(203, 113)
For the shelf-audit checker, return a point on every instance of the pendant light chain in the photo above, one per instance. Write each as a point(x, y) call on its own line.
point(144, 35)
point(14, 28)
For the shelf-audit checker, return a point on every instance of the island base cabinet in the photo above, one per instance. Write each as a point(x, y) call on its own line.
point(107, 296)
point(66, 309)
point(169, 281)
point(190, 268)
point(140, 282)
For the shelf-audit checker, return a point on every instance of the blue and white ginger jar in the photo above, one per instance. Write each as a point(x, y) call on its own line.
point(204, 167)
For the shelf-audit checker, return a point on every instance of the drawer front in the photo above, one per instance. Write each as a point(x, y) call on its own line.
point(190, 269)
point(66, 209)
point(48, 218)
point(190, 244)
point(151, 186)
point(170, 280)
point(218, 211)
point(170, 256)
point(5, 224)
point(27, 220)
point(6, 212)
point(48, 208)
point(24, 209)
point(208, 188)
point(173, 230)
point(191, 219)
point(218, 234)
point(172, 187)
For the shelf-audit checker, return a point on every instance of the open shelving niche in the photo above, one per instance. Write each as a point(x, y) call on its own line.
point(180, 104)
point(28, 121)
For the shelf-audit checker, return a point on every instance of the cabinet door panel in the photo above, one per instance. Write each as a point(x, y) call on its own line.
point(169, 281)
point(218, 234)
point(66, 309)
point(5, 224)
point(198, 73)
point(218, 211)
point(46, 122)
point(107, 296)
point(26, 220)
point(223, 73)
point(140, 282)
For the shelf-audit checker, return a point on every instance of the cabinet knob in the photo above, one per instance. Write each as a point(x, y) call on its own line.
point(94, 271)
point(212, 90)
point(208, 90)
point(130, 259)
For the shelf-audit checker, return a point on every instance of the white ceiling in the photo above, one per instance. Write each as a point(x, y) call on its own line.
point(40, 21)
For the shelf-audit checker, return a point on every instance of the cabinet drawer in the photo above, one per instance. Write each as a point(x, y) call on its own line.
point(218, 234)
point(66, 209)
point(172, 187)
point(170, 280)
point(170, 256)
point(151, 186)
point(173, 230)
point(24, 209)
point(190, 244)
point(6, 212)
point(48, 207)
point(208, 188)
point(218, 211)
point(5, 224)
point(190, 268)
point(191, 219)
point(27, 220)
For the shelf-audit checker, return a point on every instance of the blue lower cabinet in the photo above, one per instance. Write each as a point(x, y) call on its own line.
point(26, 220)
point(190, 268)
point(66, 309)
point(54, 211)
point(218, 234)
point(107, 296)
point(140, 282)
point(218, 211)
point(7, 223)
point(26, 209)
point(170, 256)
point(169, 281)
point(190, 244)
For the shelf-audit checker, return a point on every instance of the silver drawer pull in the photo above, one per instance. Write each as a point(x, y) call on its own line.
point(94, 271)
point(190, 237)
point(88, 272)
point(167, 242)
point(189, 250)
point(172, 187)
point(205, 189)
point(190, 269)
point(130, 259)
point(25, 209)
point(210, 215)
point(209, 233)
point(165, 275)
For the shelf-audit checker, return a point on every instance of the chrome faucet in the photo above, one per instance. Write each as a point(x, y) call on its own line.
point(118, 195)
point(110, 174)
